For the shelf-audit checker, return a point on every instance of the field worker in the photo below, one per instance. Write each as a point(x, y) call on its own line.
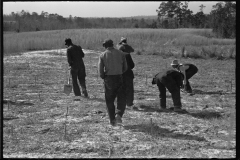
point(172, 80)
point(188, 70)
point(128, 75)
point(76, 64)
point(112, 64)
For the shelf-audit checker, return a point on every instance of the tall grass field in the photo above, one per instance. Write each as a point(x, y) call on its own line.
point(194, 43)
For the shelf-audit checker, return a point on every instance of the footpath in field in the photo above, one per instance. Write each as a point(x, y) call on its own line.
point(41, 121)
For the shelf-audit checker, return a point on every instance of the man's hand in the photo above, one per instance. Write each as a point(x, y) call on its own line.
point(69, 68)
point(154, 81)
point(102, 76)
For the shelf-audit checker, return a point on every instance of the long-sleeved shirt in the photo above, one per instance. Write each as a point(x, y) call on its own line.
point(112, 62)
point(74, 57)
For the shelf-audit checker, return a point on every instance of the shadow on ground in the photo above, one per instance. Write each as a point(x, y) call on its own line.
point(197, 91)
point(206, 114)
point(197, 114)
point(97, 99)
point(161, 132)
point(17, 103)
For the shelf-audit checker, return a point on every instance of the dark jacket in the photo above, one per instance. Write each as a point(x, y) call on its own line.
point(74, 57)
point(130, 64)
point(170, 78)
point(125, 47)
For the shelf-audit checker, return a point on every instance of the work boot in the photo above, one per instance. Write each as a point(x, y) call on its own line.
point(179, 110)
point(118, 119)
point(113, 123)
point(163, 109)
point(85, 94)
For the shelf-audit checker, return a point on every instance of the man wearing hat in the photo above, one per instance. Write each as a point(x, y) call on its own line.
point(172, 80)
point(112, 64)
point(188, 70)
point(75, 61)
point(128, 75)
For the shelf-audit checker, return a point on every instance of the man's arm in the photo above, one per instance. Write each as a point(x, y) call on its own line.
point(183, 71)
point(81, 51)
point(69, 58)
point(130, 49)
point(125, 66)
point(179, 79)
point(101, 67)
point(130, 61)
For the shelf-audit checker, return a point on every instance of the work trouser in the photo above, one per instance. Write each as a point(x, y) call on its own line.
point(172, 87)
point(189, 73)
point(128, 83)
point(78, 74)
point(114, 88)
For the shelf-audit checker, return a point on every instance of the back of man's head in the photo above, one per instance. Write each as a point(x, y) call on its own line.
point(108, 43)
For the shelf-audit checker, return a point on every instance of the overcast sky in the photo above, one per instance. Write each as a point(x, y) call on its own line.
point(97, 8)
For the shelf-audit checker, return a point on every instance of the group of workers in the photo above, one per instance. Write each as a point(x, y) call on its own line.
point(115, 68)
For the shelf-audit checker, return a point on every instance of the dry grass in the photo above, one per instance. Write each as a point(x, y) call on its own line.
point(145, 41)
point(36, 127)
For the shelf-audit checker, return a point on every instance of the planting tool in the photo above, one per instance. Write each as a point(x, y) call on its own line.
point(68, 87)
point(185, 82)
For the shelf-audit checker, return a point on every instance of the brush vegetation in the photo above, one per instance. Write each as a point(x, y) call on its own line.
point(193, 43)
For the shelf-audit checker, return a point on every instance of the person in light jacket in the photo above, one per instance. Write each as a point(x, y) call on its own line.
point(112, 64)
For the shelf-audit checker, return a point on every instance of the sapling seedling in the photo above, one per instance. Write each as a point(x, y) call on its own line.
point(151, 124)
point(65, 124)
point(39, 96)
point(35, 80)
point(146, 79)
point(8, 104)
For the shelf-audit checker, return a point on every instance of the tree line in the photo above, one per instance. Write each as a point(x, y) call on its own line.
point(170, 14)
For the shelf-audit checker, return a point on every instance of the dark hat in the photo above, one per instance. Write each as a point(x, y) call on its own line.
point(107, 41)
point(68, 41)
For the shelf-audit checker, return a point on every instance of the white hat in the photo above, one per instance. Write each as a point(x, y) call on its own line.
point(122, 39)
point(174, 62)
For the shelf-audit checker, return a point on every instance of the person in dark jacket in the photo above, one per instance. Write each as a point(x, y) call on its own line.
point(128, 75)
point(188, 70)
point(172, 80)
point(75, 60)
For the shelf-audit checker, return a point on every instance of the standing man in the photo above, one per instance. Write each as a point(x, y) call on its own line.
point(128, 75)
point(112, 64)
point(76, 64)
point(188, 70)
point(172, 80)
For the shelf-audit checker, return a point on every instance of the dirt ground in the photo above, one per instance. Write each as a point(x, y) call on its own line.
point(40, 121)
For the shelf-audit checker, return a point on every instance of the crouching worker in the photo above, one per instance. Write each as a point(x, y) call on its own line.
point(188, 70)
point(172, 80)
